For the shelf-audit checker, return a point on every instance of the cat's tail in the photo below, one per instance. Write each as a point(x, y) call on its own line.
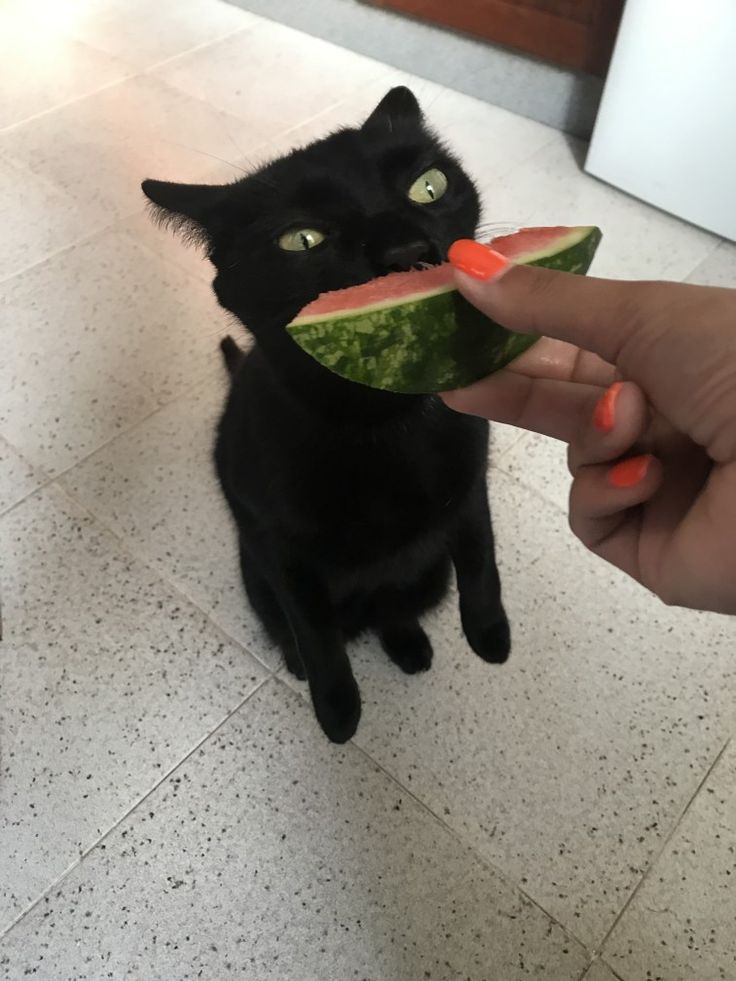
point(231, 353)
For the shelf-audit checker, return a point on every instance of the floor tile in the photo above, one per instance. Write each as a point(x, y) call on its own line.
point(503, 437)
point(240, 75)
point(98, 150)
point(719, 269)
point(639, 242)
point(109, 679)
point(139, 33)
point(166, 244)
point(540, 462)
point(47, 222)
point(568, 765)
point(18, 479)
point(115, 332)
point(599, 972)
point(681, 924)
point(156, 487)
point(319, 865)
point(42, 68)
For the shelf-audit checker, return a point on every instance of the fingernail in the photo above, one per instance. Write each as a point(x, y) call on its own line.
point(604, 414)
point(629, 473)
point(477, 260)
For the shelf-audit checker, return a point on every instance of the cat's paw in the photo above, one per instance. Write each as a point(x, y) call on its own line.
point(294, 664)
point(337, 708)
point(490, 641)
point(408, 646)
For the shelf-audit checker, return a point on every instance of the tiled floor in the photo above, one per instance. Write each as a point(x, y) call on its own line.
point(168, 807)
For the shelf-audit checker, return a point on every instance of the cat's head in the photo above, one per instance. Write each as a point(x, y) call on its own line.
point(358, 204)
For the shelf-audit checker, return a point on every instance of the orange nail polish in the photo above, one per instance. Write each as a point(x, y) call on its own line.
point(604, 414)
point(630, 472)
point(477, 260)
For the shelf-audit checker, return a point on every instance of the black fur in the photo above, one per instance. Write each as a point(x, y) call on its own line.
point(351, 505)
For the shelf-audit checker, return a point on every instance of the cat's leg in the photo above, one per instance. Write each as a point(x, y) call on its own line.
point(263, 600)
point(483, 617)
point(304, 598)
point(406, 643)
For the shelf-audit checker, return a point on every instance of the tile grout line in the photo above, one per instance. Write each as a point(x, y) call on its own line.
point(131, 554)
point(457, 836)
point(719, 242)
point(658, 854)
point(132, 71)
point(80, 858)
point(52, 478)
point(4, 280)
point(245, 29)
point(70, 102)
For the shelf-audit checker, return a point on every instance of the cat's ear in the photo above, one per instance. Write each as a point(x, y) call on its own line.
point(398, 106)
point(192, 209)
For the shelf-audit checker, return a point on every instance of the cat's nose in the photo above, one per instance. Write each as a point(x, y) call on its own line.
point(406, 255)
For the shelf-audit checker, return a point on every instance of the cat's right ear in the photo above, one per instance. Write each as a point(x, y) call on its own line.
point(398, 106)
point(192, 209)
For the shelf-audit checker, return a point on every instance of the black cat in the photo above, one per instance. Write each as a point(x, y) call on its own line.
point(350, 503)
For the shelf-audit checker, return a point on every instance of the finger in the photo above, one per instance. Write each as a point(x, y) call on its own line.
point(604, 512)
point(554, 408)
point(549, 358)
point(599, 315)
point(615, 424)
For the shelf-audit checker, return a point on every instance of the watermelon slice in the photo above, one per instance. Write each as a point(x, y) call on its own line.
point(413, 332)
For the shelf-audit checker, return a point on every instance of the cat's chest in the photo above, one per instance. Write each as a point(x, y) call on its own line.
point(368, 494)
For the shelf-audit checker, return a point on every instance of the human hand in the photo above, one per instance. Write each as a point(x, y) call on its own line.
point(639, 378)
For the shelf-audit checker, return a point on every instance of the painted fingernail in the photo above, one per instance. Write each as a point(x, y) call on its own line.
point(630, 472)
point(477, 260)
point(604, 414)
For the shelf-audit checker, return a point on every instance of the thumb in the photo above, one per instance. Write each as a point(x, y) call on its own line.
point(598, 315)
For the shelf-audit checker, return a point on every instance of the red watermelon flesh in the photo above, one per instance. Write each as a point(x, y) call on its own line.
point(522, 246)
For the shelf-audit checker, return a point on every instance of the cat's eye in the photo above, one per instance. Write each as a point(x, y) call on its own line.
point(428, 187)
point(300, 239)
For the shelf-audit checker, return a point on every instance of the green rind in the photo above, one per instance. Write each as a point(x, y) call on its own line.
point(432, 344)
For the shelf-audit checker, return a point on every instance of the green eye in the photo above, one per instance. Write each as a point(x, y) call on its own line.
point(428, 187)
point(300, 239)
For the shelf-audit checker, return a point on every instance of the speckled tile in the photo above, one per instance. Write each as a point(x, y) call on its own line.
point(681, 924)
point(503, 437)
point(18, 478)
point(239, 75)
point(598, 971)
point(47, 222)
point(97, 150)
point(109, 680)
point(115, 332)
point(639, 242)
point(156, 487)
point(318, 863)
point(719, 269)
point(139, 33)
point(540, 462)
point(43, 69)
point(568, 765)
point(167, 245)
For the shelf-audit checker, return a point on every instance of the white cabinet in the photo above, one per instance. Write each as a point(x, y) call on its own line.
point(666, 129)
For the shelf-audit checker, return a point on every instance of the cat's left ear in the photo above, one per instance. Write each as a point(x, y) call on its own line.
point(398, 106)
point(191, 208)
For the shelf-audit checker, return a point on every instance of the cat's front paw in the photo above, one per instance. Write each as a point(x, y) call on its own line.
point(337, 708)
point(408, 646)
point(491, 641)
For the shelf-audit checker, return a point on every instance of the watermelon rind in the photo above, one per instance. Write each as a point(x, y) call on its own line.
point(434, 342)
